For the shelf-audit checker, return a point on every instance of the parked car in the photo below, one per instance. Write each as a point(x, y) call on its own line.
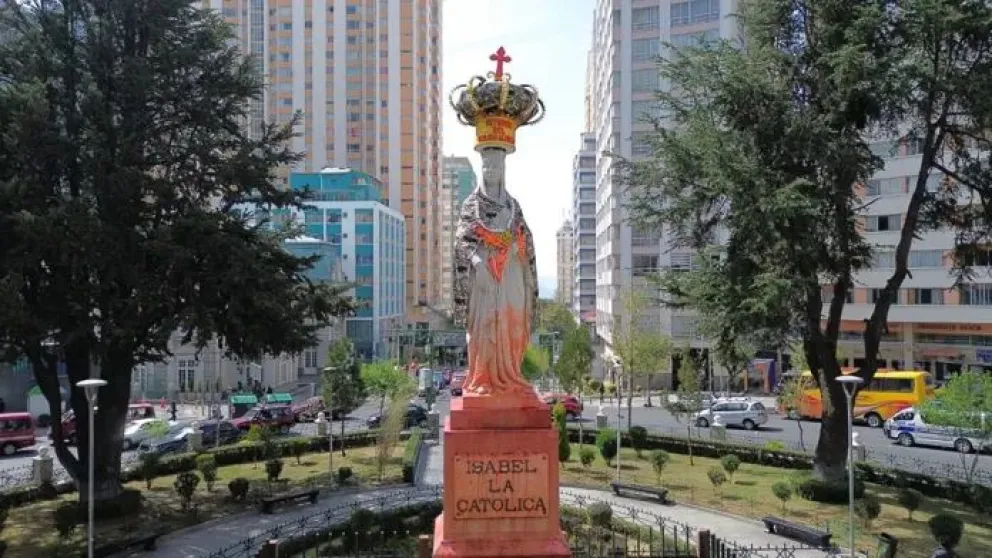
point(706, 400)
point(175, 440)
point(16, 432)
point(143, 429)
point(135, 411)
point(457, 383)
point(746, 414)
point(276, 417)
point(229, 433)
point(415, 416)
point(573, 407)
point(908, 428)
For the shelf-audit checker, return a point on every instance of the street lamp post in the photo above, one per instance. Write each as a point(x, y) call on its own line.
point(850, 384)
point(90, 388)
point(619, 381)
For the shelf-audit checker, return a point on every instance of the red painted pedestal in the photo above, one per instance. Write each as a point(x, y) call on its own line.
point(500, 481)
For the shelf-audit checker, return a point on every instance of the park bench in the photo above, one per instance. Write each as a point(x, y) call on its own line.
point(269, 502)
point(809, 535)
point(144, 542)
point(660, 493)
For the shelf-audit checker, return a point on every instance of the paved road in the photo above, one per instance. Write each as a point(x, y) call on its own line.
point(879, 449)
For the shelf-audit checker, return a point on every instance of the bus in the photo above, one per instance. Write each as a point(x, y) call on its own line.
point(889, 392)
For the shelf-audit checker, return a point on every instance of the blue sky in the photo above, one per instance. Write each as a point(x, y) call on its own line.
point(547, 40)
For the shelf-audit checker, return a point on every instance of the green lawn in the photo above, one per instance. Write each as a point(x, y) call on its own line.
point(30, 530)
point(750, 495)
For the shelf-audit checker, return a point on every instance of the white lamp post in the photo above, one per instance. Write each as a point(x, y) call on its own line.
point(850, 384)
point(90, 388)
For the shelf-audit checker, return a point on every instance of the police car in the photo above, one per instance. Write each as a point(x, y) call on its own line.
point(908, 428)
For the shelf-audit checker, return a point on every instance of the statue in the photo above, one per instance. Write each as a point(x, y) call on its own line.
point(495, 291)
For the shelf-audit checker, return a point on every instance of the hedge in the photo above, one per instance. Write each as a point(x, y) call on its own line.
point(179, 463)
point(411, 455)
point(977, 496)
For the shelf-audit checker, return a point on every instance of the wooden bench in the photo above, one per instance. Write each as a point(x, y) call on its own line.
point(660, 493)
point(269, 502)
point(809, 535)
point(144, 542)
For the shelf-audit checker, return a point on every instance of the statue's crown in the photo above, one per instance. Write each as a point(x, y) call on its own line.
point(496, 107)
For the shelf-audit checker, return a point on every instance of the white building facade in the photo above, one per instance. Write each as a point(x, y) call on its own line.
point(583, 302)
point(565, 263)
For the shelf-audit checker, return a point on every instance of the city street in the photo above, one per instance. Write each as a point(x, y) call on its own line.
point(879, 449)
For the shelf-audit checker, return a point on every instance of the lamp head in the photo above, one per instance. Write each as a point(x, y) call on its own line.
point(91, 386)
point(850, 382)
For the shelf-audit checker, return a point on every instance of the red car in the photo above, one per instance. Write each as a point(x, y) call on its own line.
point(135, 411)
point(276, 417)
point(573, 407)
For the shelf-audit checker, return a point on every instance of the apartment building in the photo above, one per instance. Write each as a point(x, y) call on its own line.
point(457, 183)
point(937, 324)
point(566, 263)
point(366, 77)
point(628, 36)
point(583, 300)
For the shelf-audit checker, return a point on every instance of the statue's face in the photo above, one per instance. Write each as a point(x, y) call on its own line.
point(493, 165)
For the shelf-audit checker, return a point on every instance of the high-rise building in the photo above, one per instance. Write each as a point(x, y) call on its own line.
point(457, 183)
point(566, 263)
point(583, 301)
point(628, 36)
point(366, 77)
point(936, 324)
point(360, 241)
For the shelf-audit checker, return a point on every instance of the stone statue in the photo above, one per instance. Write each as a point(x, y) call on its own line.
point(495, 292)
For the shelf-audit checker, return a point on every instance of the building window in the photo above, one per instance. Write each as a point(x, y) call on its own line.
point(694, 11)
point(976, 295)
point(187, 375)
point(642, 19)
point(926, 258)
point(874, 295)
point(698, 39)
point(925, 296)
point(887, 186)
point(310, 358)
point(644, 81)
point(644, 49)
point(880, 223)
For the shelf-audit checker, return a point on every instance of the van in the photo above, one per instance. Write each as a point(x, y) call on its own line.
point(908, 428)
point(16, 432)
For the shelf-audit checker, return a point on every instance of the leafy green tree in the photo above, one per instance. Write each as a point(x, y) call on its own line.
point(384, 380)
point(791, 399)
point(659, 460)
point(392, 425)
point(688, 396)
point(606, 441)
point(535, 363)
point(342, 385)
point(560, 423)
point(638, 343)
point(765, 146)
point(964, 406)
point(124, 194)
point(575, 365)
point(554, 317)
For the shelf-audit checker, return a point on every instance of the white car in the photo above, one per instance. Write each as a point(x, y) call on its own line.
point(747, 414)
point(908, 428)
point(140, 430)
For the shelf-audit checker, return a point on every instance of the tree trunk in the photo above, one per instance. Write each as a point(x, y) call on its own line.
point(630, 400)
point(342, 438)
point(830, 461)
point(647, 391)
point(688, 439)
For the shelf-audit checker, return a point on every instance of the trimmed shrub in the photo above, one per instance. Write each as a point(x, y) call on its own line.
point(946, 530)
point(867, 509)
point(717, 477)
point(600, 514)
point(299, 447)
point(910, 499)
point(659, 459)
point(66, 519)
point(638, 438)
point(411, 454)
point(239, 488)
point(185, 486)
point(783, 491)
point(774, 445)
point(817, 490)
point(344, 473)
point(273, 468)
point(730, 464)
point(148, 465)
point(586, 456)
point(606, 441)
point(206, 464)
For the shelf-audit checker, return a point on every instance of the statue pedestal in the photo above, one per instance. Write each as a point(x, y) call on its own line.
point(500, 480)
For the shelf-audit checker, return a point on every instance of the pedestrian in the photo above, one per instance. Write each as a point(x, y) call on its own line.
point(172, 410)
point(3, 405)
point(602, 392)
